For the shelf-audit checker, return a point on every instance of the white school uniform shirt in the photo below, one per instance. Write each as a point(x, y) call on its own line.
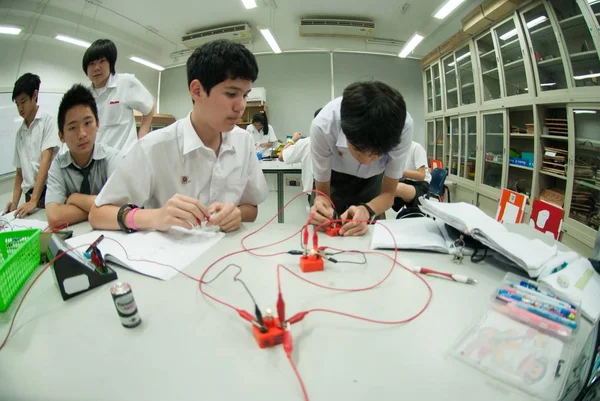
point(30, 142)
point(329, 148)
point(300, 153)
point(417, 158)
point(260, 138)
point(174, 160)
point(122, 94)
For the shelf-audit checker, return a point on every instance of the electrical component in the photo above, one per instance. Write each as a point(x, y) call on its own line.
point(272, 337)
point(311, 263)
point(333, 230)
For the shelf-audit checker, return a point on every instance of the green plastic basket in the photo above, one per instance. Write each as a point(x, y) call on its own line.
point(19, 256)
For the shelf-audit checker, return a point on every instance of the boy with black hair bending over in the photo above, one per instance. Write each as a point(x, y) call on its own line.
point(359, 145)
point(199, 168)
point(117, 96)
point(36, 145)
point(77, 176)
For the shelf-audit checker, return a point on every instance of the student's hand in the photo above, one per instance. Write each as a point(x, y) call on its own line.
point(228, 216)
point(297, 136)
point(26, 209)
point(355, 227)
point(264, 145)
point(10, 207)
point(321, 212)
point(182, 211)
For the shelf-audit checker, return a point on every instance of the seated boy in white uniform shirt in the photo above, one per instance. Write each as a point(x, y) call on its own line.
point(117, 96)
point(415, 178)
point(77, 176)
point(36, 145)
point(202, 167)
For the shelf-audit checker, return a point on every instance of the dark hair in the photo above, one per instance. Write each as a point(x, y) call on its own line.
point(216, 61)
point(27, 84)
point(317, 112)
point(101, 48)
point(373, 116)
point(262, 118)
point(78, 95)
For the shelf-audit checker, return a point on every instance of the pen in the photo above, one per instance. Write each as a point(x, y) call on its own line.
point(533, 320)
point(531, 285)
point(543, 296)
point(95, 243)
point(455, 277)
point(559, 268)
point(533, 302)
point(540, 312)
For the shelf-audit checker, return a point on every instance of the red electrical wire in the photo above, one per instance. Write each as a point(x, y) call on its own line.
point(300, 381)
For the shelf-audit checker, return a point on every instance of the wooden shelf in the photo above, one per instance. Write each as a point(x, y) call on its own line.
point(562, 177)
point(159, 120)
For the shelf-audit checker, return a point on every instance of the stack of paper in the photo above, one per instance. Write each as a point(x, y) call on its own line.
point(152, 253)
point(9, 222)
point(419, 233)
point(530, 255)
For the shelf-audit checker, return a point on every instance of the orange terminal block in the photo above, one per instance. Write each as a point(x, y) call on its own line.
point(311, 263)
point(272, 337)
point(333, 230)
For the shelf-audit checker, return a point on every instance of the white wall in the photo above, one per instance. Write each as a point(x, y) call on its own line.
point(58, 64)
point(297, 84)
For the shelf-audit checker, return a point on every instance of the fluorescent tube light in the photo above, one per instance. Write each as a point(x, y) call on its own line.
point(530, 24)
point(410, 45)
point(249, 4)
point(549, 84)
point(73, 41)
point(10, 30)
point(147, 63)
point(580, 77)
point(584, 111)
point(268, 35)
point(447, 8)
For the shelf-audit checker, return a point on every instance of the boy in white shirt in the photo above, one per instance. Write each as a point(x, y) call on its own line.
point(263, 133)
point(202, 167)
point(415, 178)
point(35, 146)
point(117, 96)
point(359, 143)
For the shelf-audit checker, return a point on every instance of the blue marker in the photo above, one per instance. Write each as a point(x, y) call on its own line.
point(559, 268)
point(551, 306)
point(547, 315)
point(533, 287)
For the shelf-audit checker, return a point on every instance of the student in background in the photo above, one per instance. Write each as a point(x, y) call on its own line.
point(359, 144)
point(36, 145)
point(117, 96)
point(415, 178)
point(262, 132)
point(200, 166)
point(77, 176)
point(298, 151)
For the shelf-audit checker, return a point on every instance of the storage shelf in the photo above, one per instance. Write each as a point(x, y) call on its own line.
point(522, 136)
point(512, 65)
point(587, 184)
point(486, 54)
point(556, 137)
point(494, 134)
point(494, 162)
point(469, 85)
point(562, 177)
point(583, 56)
point(490, 71)
point(452, 90)
point(543, 29)
point(512, 42)
point(581, 141)
point(550, 62)
point(573, 21)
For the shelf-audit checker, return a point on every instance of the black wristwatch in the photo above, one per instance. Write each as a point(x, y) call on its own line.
point(372, 213)
point(122, 209)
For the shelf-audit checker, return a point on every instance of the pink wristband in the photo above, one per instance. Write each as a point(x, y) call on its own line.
point(131, 223)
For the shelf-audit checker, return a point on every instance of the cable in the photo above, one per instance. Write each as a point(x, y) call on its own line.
point(300, 381)
point(364, 262)
point(235, 278)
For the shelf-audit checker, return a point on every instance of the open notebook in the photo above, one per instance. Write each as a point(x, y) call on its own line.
point(531, 255)
point(418, 233)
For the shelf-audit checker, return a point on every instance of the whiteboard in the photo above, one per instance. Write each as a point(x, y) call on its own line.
point(10, 121)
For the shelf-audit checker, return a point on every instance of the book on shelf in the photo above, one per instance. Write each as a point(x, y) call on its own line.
point(555, 160)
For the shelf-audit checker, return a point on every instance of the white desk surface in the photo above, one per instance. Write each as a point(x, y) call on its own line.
point(189, 348)
point(269, 165)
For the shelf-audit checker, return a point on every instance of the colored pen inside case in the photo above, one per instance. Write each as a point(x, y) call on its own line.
point(538, 311)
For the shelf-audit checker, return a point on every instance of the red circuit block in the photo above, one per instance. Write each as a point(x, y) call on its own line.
point(312, 263)
point(273, 336)
point(333, 231)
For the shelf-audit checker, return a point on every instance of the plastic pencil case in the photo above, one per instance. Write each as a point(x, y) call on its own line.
point(523, 354)
point(19, 257)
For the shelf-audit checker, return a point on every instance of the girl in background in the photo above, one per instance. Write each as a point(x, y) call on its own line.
point(263, 133)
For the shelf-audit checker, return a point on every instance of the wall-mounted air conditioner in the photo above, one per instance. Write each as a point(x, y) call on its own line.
point(327, 27)
point(257, 95)
point(239, 33)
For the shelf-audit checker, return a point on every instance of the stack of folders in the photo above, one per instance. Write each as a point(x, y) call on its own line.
point(419, 233)
point(531, 255)
point(525, 339)
point(555, 160)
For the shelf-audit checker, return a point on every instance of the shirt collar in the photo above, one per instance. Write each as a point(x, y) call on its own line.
point(97, 154)
point(191, 140)
point(38, 116)
point(111, 83)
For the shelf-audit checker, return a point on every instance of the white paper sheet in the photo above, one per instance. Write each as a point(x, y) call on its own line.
point(152, 253)
point(8, 222)
point(419, 233)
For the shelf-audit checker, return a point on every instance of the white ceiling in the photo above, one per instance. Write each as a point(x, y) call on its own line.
point(125, 22)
